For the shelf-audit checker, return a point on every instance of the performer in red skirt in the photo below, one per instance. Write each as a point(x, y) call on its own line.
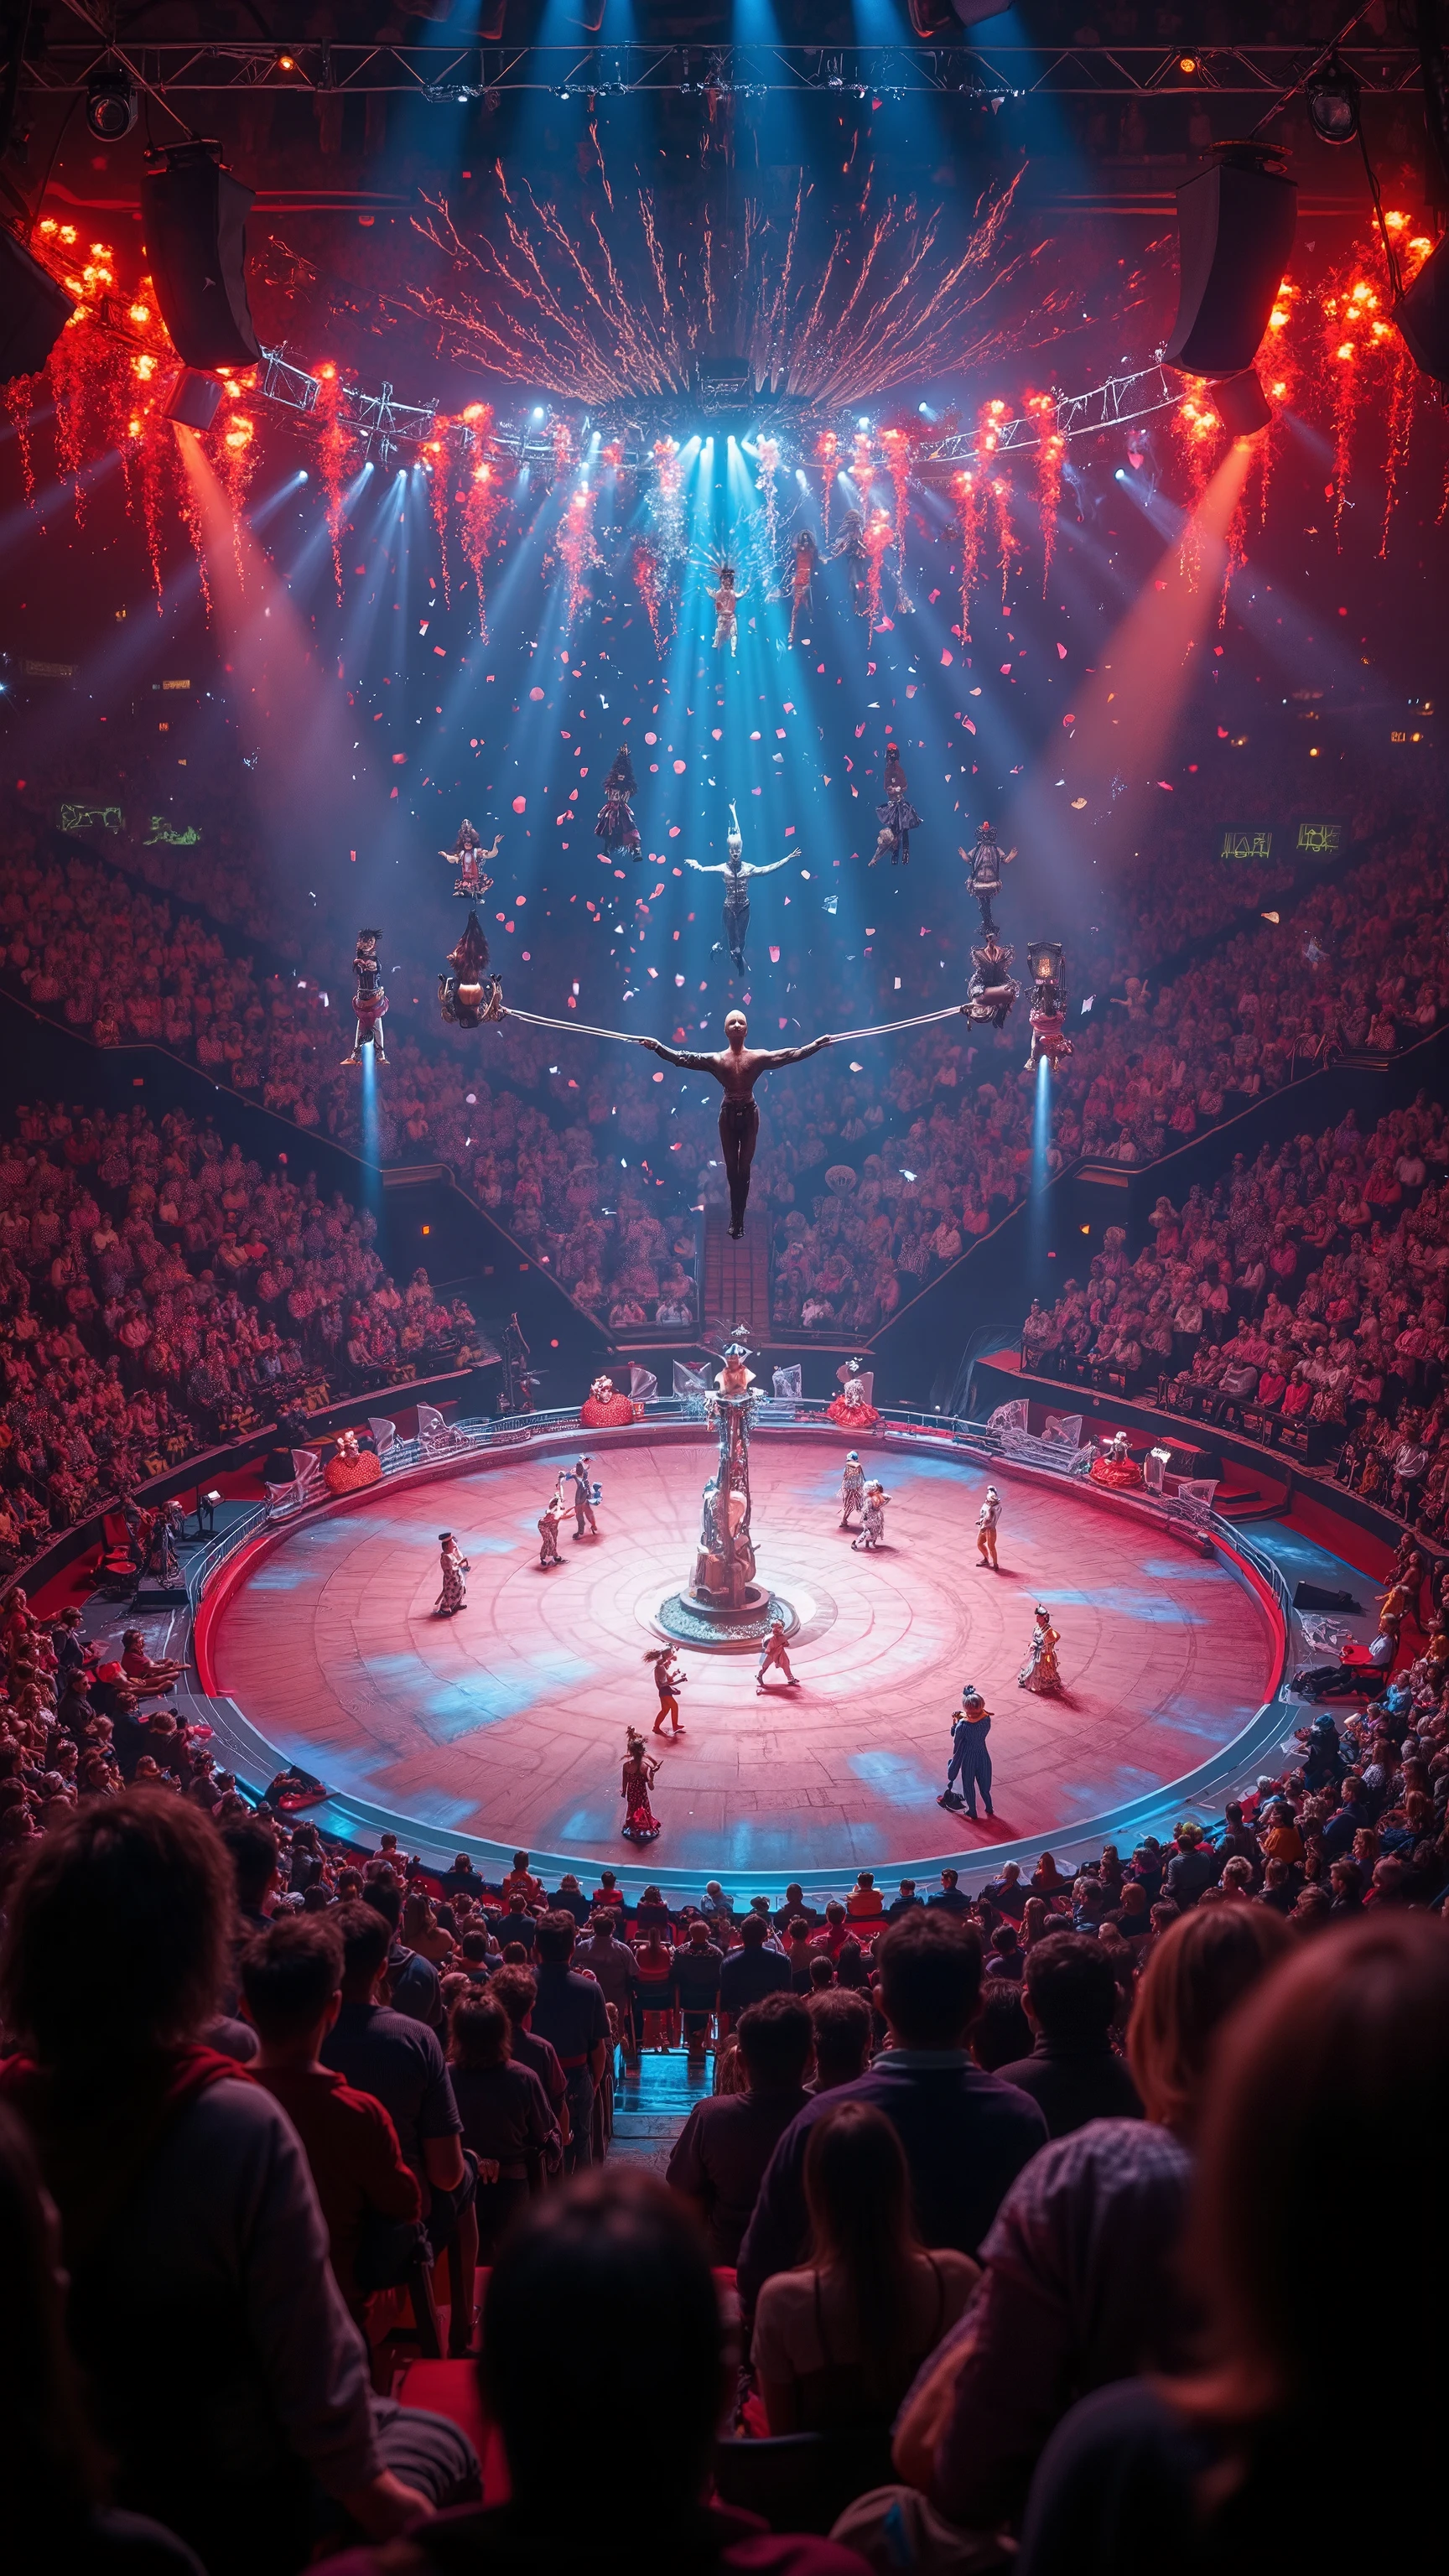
point(641, 1825)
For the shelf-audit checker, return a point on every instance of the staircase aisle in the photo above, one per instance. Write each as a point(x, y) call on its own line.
point(737, 1275)
point(650, 2108)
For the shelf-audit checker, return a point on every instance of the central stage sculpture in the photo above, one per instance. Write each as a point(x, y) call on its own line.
point(725, 1605)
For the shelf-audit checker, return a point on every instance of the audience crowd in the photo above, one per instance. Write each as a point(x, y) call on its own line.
point(158, 1290)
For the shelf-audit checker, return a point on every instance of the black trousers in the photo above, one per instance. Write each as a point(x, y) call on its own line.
point(739, 1128)
point(736, 923)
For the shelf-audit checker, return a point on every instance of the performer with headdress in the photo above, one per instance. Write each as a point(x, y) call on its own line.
point(467, 994)
point(736, 1068)
point(807, 560)
point(897, 817)
point(852, 1407)
point(614, 825)
point(1040, 1672)
point(872, 1532)
point(641, 1770)
point(991, 990)
point(1115, 1467)
point(737, 885)
point(984, 862)
point(726, 610)
point(369, 1001)
point(470, 859)
point(852, 1488)
point(453, 1596)
point(1049, 1039)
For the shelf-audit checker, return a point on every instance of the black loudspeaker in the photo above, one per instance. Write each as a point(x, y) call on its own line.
point(194, 399)
point(34, 311)
point(1423, 316)
point(1242, 404)
point(193, 214)
point(1235, 225)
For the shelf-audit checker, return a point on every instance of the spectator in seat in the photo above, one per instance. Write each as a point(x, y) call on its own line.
point(570, 2012)
point(1080, 2285)
point(57, 2512)
point(752, 1971)
point(838, 2341)
point(865, 1904)
point(399, 2061)
point(950, 1899)
point(966, 2135)
point(229, 2383)
point(291, 1982)
point(1069, 1995)
point(720, 2158)
point(611, 2265)
point(1338, 2064)
point(1193, 1867)
point(507, 2124)
point(842, 2026)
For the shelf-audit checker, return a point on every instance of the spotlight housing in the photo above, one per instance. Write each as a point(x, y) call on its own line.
point(110, 103)
point(1331, 99)
point(1242, 404)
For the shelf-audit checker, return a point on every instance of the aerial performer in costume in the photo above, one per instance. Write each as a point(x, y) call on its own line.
point(467, 994)
point(737, 885)
point(1040, 1672)
point(984, 862)
point(991, 990)
point(369, 1001)
point(897, 817)
point(807, 559)
point(641, 1770)
point(471, 860)
point(852, 1488)
point(852, 1407)
point(615, 827)
point(1049, 1039)
point(726, 610)
point(454, 1595)
point(736, 1068)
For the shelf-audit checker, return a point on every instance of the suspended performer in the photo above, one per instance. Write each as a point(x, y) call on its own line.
point(471, 862)
point(369, 1001)
point(736, 1068)
point(615, 827)
point(737, 877)
point(807, 558)
point(897, 817)
point(726, 610)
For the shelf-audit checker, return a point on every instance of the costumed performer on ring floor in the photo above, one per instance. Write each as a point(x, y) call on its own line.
point(774, 1658)
point(669, 1678)
point(583, 1485)
point(852, 1407)
point(455, 1565)
point(970, 1762)
point(641, 1770)
point(1114, 1468)
point(1040, 1672)
point(872, 1532)
point(987, 1523)
point(852, 1488)
point(736, 1068)
point(555, 1512)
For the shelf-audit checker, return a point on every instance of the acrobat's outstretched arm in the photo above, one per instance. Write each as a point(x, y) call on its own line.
point(767, 867)
point(706, 868)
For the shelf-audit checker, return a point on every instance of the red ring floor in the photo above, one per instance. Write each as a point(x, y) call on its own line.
point(508, 1721)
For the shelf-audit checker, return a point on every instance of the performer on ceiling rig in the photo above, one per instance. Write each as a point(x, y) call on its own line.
point(369, 1001)
point(852, 1488)
point(897, 817)
point(991, 990)
point(736, 1068)
point(726, 610)
point(471, 860)
point(615, 827)
point(807, 559)
point(468, 995)
point(737, 886)
point(984, 862)
point(1049, 1039)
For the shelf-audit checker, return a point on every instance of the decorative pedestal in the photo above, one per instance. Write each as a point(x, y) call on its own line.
point(725, 1606)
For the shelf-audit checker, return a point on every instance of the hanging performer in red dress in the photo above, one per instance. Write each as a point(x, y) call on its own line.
point(369, 1001)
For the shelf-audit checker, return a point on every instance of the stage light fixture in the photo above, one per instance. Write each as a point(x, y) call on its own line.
point(1242, 405)
point(110, 103)
point(1187, 65)
point(1235, 226)
point(194, 400)
point(1331, 99)
point(34, 310)
point(1422, 314)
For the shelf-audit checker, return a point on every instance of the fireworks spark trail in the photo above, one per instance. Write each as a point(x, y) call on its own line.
point(829, 321)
